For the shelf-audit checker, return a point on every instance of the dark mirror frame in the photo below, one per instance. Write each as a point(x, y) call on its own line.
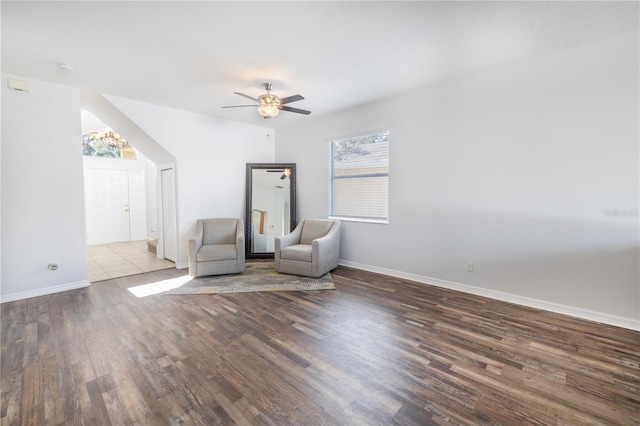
point(249, 205)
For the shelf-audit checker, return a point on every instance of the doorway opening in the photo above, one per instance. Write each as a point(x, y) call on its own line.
point(121, 213)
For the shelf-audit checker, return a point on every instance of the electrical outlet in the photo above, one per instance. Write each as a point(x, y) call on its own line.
point(469, 266)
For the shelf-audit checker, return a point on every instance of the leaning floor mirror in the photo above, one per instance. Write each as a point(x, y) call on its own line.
point(270, 206)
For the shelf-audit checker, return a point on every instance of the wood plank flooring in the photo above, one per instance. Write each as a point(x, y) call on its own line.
point(376, 351)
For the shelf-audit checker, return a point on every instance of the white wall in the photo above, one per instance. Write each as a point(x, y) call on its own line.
point(210, 156)
point(516, 170)
point(42, 190)
point(98, 106)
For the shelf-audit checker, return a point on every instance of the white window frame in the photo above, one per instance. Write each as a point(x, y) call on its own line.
point(367, 174)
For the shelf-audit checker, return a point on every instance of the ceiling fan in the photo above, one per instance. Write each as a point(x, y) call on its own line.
point(285, 172)
point(270, 105)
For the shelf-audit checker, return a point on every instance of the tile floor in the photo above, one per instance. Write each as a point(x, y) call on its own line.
point(121, 259)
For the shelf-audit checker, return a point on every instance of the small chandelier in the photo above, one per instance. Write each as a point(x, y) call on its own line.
point(108, 137)
point(103, 143)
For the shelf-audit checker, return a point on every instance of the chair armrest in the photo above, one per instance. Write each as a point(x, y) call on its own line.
point(290, 239)
point(325, 250)
point(284, 241)
point(240, 249)
point(194, 245)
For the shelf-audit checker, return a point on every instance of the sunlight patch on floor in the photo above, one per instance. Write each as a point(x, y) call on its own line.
point(159, 286)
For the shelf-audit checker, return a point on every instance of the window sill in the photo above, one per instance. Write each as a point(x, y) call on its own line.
point(357, 219)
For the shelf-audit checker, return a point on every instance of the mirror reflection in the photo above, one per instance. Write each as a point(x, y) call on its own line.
point(270, 209)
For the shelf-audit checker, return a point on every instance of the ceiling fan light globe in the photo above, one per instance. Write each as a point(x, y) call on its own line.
point(268, 110)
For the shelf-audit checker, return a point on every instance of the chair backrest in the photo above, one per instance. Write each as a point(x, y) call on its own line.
point(314, 228)
point(219, 231)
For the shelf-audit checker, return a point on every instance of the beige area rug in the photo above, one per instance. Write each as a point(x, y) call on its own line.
point(258, 276)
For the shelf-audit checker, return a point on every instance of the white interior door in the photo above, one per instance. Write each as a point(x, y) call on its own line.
point(107, 206)
point(169, 234)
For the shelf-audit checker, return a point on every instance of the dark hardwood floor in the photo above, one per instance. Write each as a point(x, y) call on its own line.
point(377, 350)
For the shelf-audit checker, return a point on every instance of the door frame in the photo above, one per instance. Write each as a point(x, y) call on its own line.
point(160, 202)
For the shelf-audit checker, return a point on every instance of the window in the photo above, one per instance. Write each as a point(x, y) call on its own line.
point(359, 178)
point(106, 143)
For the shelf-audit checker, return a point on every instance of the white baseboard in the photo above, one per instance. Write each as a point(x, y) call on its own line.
point(43, 291)
point(573, 311)
point(182, 265)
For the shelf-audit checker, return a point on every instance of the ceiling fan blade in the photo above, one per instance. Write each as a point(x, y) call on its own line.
point(247, 96)
point(239, 106)
point(289, 99)
point(296, 110)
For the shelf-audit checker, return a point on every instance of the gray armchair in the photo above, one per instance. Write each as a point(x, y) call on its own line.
point(310, 250)
point(217, 247)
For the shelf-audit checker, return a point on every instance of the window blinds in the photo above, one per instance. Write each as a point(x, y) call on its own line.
point(359, 178)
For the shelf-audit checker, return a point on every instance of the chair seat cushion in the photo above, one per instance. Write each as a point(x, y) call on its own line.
point(213, 252)
point(301, 252)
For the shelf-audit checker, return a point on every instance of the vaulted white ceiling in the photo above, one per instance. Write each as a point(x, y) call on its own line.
point(194, 55)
